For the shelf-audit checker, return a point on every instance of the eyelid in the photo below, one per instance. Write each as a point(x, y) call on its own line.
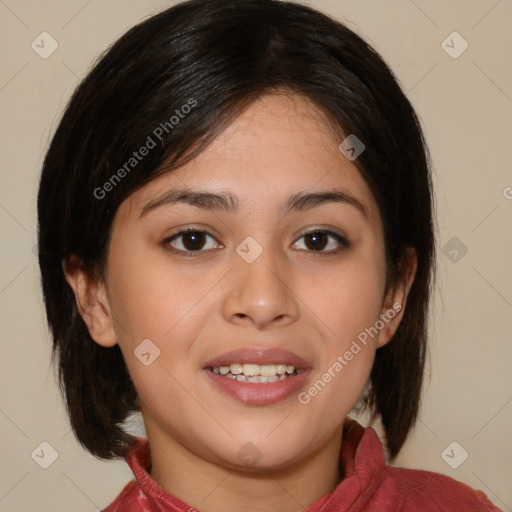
point(324, 229)
point(343, 241)
point(189, 229)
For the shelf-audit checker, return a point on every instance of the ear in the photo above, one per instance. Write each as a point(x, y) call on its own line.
point(92, 302)
point(396, 298)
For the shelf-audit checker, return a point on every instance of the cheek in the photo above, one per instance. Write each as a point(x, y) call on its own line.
point(158, 313)
point(348, 303)
point(349, 299)
point(340, 379)
point(150, 298)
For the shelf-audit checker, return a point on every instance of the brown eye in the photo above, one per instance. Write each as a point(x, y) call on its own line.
point(189, 241)
point(317, 241)
point(193, 240)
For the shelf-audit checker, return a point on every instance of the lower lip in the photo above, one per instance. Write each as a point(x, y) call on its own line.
point(265, 393)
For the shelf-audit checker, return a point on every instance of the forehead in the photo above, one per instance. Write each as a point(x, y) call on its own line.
point(280, 145)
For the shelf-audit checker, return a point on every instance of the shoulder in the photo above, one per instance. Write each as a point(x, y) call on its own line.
point(426, 490)
point(129, 500)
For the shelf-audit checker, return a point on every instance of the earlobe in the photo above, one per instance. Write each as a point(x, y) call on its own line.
point(91, 301)
point(395, 301)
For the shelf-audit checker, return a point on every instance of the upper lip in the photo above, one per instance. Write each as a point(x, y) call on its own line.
point(259, 356)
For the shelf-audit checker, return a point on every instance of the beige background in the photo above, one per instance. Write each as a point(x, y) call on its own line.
point(465, 105)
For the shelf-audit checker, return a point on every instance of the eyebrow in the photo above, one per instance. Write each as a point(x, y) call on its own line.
point(300, 201)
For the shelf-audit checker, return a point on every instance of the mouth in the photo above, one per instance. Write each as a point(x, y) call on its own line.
point(258, 376)
point(256, 373)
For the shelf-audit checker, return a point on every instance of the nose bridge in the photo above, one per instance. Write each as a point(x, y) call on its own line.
point(258, 290)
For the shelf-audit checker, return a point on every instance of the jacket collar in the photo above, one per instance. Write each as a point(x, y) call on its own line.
point(361, 460)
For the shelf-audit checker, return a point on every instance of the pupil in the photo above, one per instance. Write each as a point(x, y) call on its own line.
point(315, 237)
point(196, 239)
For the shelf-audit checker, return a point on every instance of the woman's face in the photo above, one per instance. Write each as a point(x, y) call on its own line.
point(277, 274)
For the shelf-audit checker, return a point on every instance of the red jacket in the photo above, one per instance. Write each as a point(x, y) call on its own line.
point(369, 484)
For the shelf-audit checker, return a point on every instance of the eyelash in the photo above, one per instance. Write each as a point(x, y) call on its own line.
point(343, 242)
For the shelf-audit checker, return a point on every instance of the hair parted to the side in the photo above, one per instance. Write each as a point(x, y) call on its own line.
point(224, 55)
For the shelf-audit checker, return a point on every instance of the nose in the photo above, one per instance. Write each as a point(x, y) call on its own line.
point(260, 293)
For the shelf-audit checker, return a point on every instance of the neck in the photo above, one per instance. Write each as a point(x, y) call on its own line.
point(214, 487)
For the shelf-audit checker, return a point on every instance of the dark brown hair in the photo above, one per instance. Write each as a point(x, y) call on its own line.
point(221, 56)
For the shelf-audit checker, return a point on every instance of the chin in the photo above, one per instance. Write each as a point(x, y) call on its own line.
point(264, 451)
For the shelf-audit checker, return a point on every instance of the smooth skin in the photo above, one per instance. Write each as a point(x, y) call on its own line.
point(309, 294)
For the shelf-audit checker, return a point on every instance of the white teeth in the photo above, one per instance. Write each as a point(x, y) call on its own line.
point(251, 370)
point(256, 373)
point(281, 368)
point(268, 370)
point(235, 369)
